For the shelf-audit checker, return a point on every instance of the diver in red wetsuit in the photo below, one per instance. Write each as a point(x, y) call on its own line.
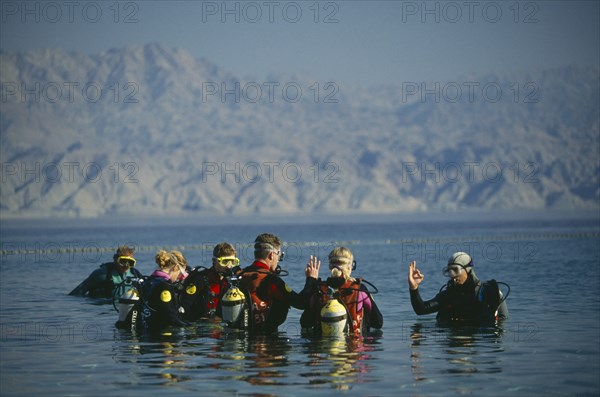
point(204, 288)
point(269, 297)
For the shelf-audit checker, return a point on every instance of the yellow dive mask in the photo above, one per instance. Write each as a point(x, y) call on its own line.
point(228, 261)
point(126, 261)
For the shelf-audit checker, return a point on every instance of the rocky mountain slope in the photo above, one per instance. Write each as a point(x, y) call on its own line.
point(153, 130)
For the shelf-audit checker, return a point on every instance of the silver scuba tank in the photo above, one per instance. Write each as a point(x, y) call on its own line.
point(333, 318)
point(126, 302)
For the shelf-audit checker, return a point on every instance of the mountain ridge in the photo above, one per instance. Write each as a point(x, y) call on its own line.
point(173, 134)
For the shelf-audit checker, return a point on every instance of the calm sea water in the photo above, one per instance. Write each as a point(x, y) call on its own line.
point(57, 345)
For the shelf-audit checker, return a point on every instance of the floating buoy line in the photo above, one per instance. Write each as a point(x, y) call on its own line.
point(55, 248)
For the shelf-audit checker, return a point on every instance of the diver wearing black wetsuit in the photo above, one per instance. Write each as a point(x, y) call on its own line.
point(159, 306)
point(456, 302)
point(464, 298)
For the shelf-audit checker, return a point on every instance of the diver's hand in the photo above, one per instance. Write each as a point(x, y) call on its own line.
point(312, 267)
point(414, 276)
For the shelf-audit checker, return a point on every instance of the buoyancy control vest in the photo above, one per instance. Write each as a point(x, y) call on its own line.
point(202, 292)
point(258, 308)
point(326, 308)
point(349, 295)
point(157, 310)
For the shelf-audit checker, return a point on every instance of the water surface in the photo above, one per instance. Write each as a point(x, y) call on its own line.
point(57, 345)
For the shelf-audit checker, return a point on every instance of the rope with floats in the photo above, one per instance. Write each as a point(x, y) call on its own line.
point(20, 249)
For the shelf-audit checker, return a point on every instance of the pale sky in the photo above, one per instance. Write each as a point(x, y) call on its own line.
point(358, 42)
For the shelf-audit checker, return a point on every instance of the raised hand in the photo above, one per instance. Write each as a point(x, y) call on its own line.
point(414, 275)
point(312, 267)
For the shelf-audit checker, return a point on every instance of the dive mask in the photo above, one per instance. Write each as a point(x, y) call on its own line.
point(126, 261)
point(227, 261)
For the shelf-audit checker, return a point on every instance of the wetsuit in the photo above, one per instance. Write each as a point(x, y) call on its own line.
point(461, 302)
point(270, 298)
point(104, 281)
point(158, 306)
point(202, 294)
point(360, 305)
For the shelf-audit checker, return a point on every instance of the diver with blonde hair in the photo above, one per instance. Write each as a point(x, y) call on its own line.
point(350, 297)
point(159, 303)
point(182, 261)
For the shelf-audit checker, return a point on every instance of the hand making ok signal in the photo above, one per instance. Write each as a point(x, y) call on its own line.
point(414, 276)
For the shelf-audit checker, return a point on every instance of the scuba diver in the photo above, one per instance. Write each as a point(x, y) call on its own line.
point(156, 304)
point(204, 288)
point(107, 280)
point(268, 297)
point(464, 297)
point(341, 305)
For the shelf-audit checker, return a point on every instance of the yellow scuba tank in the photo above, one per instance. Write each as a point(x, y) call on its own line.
point(333, 318)
point(232, 306)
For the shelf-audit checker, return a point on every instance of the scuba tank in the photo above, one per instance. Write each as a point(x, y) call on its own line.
point(233, 306)
point(491, 297)
point(126, 302)
point(333, 318)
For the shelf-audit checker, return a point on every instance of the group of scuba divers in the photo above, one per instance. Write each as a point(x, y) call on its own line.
point(257, 300)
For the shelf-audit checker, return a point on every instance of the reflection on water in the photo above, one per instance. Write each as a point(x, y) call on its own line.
point(159, 359)
point(223, 355)
point(467, 349)
point(261, 360)
point(340, 361)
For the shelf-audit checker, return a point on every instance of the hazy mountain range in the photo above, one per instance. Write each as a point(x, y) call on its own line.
point(153, 130)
